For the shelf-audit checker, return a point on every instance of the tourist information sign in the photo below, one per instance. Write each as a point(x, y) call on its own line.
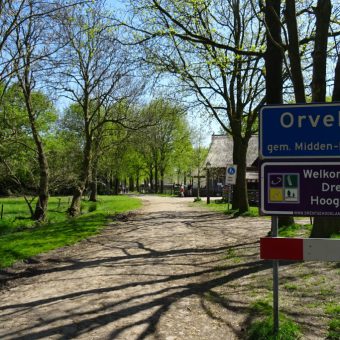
point(300, 131)
point(300, 188)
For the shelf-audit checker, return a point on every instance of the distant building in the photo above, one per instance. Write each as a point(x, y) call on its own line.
point(220, 155)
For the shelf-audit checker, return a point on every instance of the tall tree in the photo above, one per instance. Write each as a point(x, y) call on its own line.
point(26, 53)
point(274, 65)
point(293, 47)
point(323, 226)
point(307, 55)
point(168, 133)
point(198, 157)
point(14, 14)
point(17, 152)
point(216, 56)
point(95, 74)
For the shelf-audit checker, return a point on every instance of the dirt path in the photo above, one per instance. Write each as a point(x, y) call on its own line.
point(154, 276)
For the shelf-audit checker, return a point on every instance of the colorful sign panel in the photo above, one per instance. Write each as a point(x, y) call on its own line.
point(300, 131)
point(300, 188)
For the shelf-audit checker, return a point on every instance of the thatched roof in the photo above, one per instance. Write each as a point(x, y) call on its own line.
point(221, 151)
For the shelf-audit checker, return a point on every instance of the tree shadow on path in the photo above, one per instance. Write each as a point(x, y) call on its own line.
point(152, 300)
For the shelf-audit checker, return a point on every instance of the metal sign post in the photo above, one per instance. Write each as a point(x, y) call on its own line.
point(230, 179)
point(229, 195)
point(275, 233)
point(299, 151)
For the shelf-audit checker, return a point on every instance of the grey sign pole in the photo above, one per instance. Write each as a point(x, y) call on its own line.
point(275, 233)
point(229, 194)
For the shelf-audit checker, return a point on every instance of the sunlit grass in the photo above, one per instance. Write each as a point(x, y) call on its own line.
point(333, 310)
point(263, 326)
point(221, 206)
point(21, 238)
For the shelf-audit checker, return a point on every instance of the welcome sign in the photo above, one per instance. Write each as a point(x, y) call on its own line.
point(300, 188)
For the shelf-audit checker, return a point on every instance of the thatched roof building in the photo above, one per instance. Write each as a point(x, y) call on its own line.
point(221, 151)
point(220, 155)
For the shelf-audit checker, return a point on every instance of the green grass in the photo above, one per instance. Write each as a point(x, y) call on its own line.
point(334, 324)
point(262, 307)
point(21, 238)
point(295, 230)
point(333, 309)
point(262, 328)
point(218, 205)
point(291, 287)
point(232, 255)
point(334, 329)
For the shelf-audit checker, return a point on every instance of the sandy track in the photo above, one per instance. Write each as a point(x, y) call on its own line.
point(150, 277)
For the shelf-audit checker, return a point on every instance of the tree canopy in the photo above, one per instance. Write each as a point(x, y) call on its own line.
point(128, 78)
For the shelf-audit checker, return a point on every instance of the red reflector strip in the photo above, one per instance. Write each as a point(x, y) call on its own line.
point(277, 248)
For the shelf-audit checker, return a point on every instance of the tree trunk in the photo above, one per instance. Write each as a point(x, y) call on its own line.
point(43, 195)
point(336, 89)
point(28, 202)
point(273, 55)
point(326, 226)
point(198, 183)
point(108, 183)
point(116, 185)
point(162, 180)
point(273, 62)
point(240, 196)
point(131, 184)
point(74, 209)
point(285, 221)
point(323, 14)
point(137, 181)
point(294, 52)
point(151, 178)
point(156, 178)
point(94, 185)
point(41, 206)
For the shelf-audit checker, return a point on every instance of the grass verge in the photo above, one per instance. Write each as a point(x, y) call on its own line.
point(219, 206)
point(263, 327)
point(21, 238)
point(333, 310)
point(295, 230)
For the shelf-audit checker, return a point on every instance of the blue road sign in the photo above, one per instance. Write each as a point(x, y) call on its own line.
point(231, 174)
point(300, 188)
point(231, 170)
point(300, 131)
